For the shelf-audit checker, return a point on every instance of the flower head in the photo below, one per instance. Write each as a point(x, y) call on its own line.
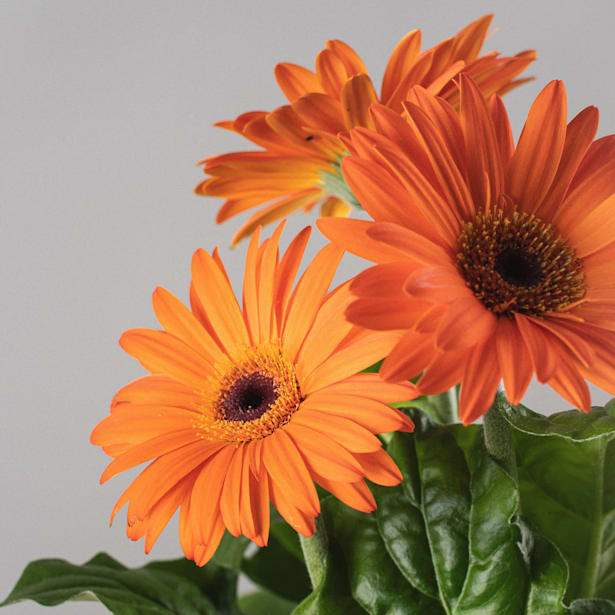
point(299, 165)
point(496, 259)
point(251, 405)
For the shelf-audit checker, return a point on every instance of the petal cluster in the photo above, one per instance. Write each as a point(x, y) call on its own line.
point(298, 165)
point(494, 257)
point(251, 405)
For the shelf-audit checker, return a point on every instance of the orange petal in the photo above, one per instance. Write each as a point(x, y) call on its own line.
point(321, 112)
point(385, 314)
point(154, 447)
point(595, 230)
point(466, 323)
point(218, 300)
point(352, 235)
point(301, 522)
point(584, 196)
point(276, 210)
point(259, 507)
point(345, 432)
point(480, 381)
point(443, 372)
point(331, 71)
point(356, 495)
point(162, 474)
point(324, 456)
point(401, 61)
point(541, 346)
point(372, 386)
point(287, 271)
point(287, 470)
point(514, 360)
point(425, 211)
point(163, 353)
point(250, 294)
point(295, 80)
point(266, 282)
point(350, 360)
point(539, 150)
point(349, 57)
point(157, 391)
point(576, 344)
point(205, 496)
point(179, 321)
point(381, 195)
point(357, 96)
point(385, 281)
point(469, 41)
point(409, 357)
point(307, 297)
point(413, 245)
point(481, 143)
point(379, 468)
point(503, 131)
point(569, 383)
point(437, 284)
point(230, 496)
point(335, 207)
point(372, 414)
point(580, 133)
point(328, 331)
point(450, 178)
point(164, 509)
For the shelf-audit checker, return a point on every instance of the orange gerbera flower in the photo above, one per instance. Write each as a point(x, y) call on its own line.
point(247, 406)
point(300, 164)
point(498, 261)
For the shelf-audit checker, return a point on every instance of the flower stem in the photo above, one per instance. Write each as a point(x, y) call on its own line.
point(498, 438)
point(315, 549)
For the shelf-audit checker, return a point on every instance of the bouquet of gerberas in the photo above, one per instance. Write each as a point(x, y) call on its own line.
point(323, 425)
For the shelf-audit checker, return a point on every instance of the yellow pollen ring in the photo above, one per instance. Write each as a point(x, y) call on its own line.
point(265, 359)
point(519, 263)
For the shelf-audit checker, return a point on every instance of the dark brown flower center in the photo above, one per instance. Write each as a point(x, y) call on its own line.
point(249, 397)
point(519, 264)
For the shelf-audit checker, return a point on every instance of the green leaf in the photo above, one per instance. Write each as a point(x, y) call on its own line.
point(229, 553)
point(566, 466)
point(265, 603)
point(439, 408)
point(157, 589)
point(592, 607)
point(279, 566)
point(374, 581)
point(453, 529)
point(373, 369)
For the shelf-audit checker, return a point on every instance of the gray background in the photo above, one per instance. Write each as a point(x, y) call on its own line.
point(105, 108)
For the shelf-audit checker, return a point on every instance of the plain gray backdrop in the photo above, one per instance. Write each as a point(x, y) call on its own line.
point(105, 108)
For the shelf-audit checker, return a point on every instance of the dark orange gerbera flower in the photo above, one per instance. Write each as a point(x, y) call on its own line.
point(498, 261)
point(299, 164)
point(247, 406)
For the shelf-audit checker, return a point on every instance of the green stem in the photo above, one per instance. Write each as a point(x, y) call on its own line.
point(498, 438)
point(315, 551)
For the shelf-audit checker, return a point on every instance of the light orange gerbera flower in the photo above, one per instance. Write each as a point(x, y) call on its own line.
point(247, 406)
point(498, 261)
point(299, 164)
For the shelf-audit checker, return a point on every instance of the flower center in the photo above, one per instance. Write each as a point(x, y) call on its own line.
point(250, 396)
point(519, 263)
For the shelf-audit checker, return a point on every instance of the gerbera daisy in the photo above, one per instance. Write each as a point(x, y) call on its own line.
point(247, 406)
point(299, 165)
point(496, 259)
